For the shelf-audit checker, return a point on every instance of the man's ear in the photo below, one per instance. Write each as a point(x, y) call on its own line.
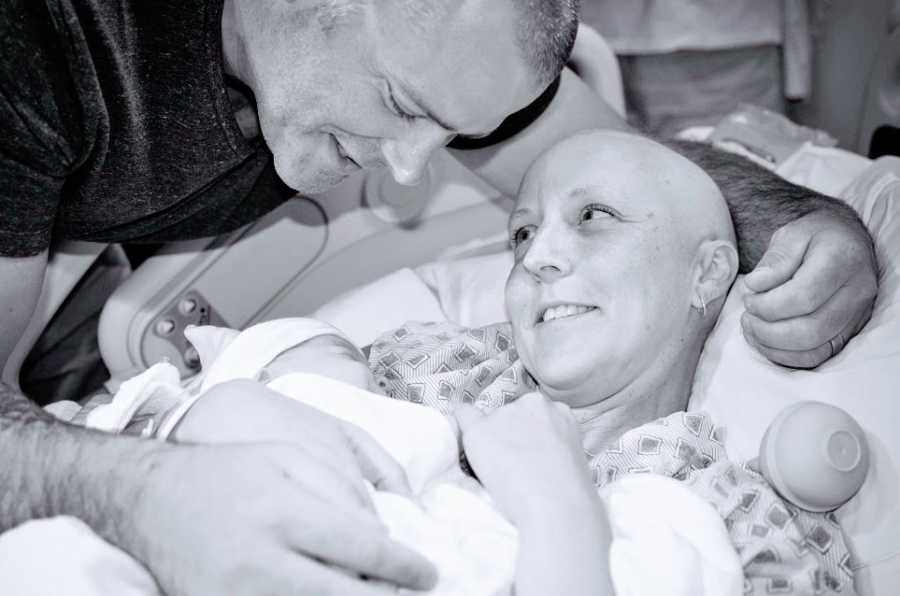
point(715, 269)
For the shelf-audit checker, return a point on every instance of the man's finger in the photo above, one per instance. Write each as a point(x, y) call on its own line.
point(793, 359)
point(804, 358)
point(376, 464)
point(799, 358)
point(808, 331)
point(308, 576)
point(781, 260)
point(821, 274)
point(338, 539)
point(317, 474)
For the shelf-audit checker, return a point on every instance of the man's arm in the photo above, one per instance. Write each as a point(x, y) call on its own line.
point(20, 287)
point(48, 469)
point(292, 519)
point(575, 107)
point(813, 273)
point(813, 283)
point(165, 504)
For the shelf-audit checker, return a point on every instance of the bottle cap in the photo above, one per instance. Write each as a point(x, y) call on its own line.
point(815, 455)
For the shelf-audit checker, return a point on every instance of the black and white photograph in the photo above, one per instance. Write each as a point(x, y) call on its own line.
point(449, 297)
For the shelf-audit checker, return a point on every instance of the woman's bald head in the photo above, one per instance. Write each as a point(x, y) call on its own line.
point(620, 244)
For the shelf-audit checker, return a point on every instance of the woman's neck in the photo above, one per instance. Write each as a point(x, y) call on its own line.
point(642, 401)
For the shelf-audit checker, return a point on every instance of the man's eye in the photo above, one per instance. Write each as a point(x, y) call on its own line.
point(395, 107)
point(592, 212)
point(521, 235)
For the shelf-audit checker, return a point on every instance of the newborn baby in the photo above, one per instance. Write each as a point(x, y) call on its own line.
point(252, 380)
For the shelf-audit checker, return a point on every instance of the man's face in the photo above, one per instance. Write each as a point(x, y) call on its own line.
point(381, 89)
point(600, 289)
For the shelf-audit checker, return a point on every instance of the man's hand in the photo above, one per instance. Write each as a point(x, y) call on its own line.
point(812, 291)
point(244, 411)
point(262, 519)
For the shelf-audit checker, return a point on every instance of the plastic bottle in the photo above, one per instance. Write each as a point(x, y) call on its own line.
point(815, 455)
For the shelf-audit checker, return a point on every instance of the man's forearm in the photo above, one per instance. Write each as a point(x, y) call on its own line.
point(575, 107)
point(51, 468)
point(760, 201)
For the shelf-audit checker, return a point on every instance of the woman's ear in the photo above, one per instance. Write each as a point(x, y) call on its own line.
point(716, 268)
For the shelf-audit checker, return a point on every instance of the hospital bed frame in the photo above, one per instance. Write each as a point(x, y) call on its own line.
point(292, 261)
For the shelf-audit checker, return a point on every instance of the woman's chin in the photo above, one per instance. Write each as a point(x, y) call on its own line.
point(576, 386)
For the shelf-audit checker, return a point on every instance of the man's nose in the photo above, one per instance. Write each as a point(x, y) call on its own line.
point(546, 257)
point(408, 154)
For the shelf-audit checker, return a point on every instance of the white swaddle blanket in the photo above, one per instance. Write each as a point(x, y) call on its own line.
point(665, 538)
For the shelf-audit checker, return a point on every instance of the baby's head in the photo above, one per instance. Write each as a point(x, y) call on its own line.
point(624, 252)
point(328, 353)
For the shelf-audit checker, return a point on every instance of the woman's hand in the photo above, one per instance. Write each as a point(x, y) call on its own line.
point(528, 454)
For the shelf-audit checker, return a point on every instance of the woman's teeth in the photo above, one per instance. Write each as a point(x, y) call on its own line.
point(564, 310)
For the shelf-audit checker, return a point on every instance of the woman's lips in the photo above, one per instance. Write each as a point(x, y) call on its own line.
point(563, 311)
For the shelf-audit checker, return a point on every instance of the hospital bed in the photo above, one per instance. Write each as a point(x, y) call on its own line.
point(371, 254)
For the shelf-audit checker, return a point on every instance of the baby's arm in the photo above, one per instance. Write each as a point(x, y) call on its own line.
point(528, 454)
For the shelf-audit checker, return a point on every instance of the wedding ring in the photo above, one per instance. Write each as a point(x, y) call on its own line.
point(836, 343)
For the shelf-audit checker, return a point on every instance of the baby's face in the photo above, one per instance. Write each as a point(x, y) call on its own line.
point(327, 355)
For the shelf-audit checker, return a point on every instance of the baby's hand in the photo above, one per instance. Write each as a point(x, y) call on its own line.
point(528, 454)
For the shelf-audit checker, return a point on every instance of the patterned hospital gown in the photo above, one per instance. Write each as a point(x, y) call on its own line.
point(783, 549)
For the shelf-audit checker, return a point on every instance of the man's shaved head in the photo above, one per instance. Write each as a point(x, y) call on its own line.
point(545, 29)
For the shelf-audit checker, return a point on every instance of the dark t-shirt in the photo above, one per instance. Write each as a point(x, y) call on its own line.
point(115, 124)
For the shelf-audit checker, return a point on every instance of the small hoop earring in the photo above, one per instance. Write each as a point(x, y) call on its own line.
point(702, 308)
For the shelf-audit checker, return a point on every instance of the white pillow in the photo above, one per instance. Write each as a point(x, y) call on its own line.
point(744, 391)
point(365, 312)
point(470, 290)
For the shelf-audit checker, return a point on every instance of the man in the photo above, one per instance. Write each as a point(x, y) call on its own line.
point(118, 126)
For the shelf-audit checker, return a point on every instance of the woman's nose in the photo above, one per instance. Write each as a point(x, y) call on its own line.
point(408, 154)
point(546, 258)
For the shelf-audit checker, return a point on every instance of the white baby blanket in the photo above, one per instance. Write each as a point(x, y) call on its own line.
point(665, 538)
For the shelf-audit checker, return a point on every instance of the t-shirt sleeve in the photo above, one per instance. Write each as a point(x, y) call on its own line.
point(39, 127)
point(28, 202)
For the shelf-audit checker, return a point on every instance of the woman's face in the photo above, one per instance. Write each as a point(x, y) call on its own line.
point(599, 295)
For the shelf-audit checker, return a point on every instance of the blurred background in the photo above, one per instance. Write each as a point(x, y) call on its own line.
point(691, 62)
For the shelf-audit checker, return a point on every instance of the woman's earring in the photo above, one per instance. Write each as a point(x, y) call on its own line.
point(702, 308)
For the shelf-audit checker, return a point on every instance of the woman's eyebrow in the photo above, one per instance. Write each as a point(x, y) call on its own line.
point(519, 214)
point(581, 192)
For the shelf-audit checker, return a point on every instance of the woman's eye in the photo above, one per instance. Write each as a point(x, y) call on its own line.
point(521, 235)
point(592, 212)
